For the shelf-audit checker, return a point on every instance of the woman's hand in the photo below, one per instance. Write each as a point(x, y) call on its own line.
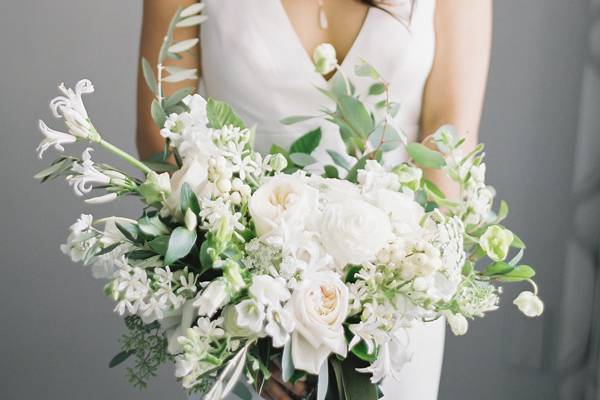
point(277, 389)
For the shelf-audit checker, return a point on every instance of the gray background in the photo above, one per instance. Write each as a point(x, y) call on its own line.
point(58, 332)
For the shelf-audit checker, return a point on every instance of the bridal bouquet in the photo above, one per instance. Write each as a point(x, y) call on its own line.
point(239, 260)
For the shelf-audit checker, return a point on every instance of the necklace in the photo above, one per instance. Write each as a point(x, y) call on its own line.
point(323, 23)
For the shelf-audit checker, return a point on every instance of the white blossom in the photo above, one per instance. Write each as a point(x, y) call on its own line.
point(86, 174)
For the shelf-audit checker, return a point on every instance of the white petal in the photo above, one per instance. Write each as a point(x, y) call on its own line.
point(183, 45)
point(192, 10)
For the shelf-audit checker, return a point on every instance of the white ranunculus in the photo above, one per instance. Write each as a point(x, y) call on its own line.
point(334, 190)
point(354, 231)
point(458, 323)
point(285, 199)
point(319, 307)
point(213, 297)
point(404, 212)
point(194, 172)
point(529, 304)
point(325, 58)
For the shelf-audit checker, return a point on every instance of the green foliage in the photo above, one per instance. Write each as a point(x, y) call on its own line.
point(338, 159)
point(188, 199)
point(221, 114)
point(181, 242)
point(356, 385)
point(177, 97)
point(148, 346)
point(425, 157)
point(158, 114)
point(302, 159)
point(376, 89)
point(60, 167)
point(149, 76)
point(307, 143)
point(331, 171)
point(385, 138)
point(294, 119)
point(353, 173)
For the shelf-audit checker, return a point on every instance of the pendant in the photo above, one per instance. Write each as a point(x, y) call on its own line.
point(323, 23)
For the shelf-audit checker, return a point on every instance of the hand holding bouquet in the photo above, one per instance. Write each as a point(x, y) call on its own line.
point(239, 259)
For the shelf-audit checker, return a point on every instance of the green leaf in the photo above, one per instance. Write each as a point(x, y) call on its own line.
point(519, 273)
point(498, 268)
point(353, 173)
point(361, 351)
point(177, 97)
point(302, 159)
point(287, 365)
point(188, 199)
point(149, 76)
point(205, 258)
point(221, 114)
point(307, 143)
point(158, 114)
point(130, 231)
point(431, 187)
point(502, 212)
point(159, 244)
point(152, 226)
point(385, 138)
point(181, 242)
point(366, 69)
point(355, 115)
point(141, 254)
point(278, 150)
point(337, 371)
point(331, 171)
point(351, 271)
point(53, 169)
point(338, 159)
point(517, 242)
point(160, 166)
point(425, 157)
point(357, 386)
point(120, 358)
point(376, 89)
point(294, 119)
point(107, 249)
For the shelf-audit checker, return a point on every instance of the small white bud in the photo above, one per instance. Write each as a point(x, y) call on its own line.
point(529, 304)
point(190, 219)
point(278, 162)
point(458, 323)
point(224, 185)
point(324, 58)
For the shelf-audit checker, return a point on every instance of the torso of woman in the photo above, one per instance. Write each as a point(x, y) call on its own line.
point(254, 58)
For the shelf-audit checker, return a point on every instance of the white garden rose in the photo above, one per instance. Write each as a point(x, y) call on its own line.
point(404, 212)
point(354, 231)
point(194, 172)
point(319, 307)
point(285, 201)
point(529, 304)
point(335, 190)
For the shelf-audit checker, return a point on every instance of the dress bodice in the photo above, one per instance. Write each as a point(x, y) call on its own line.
point(253, 59)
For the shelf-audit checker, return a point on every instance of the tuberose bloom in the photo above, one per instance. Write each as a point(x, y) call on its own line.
point(529, 304)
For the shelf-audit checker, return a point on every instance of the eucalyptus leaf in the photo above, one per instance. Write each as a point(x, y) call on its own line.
point(181, 242)
point(366, 69)
point(385, 138)
point(338, 159)
point(353, 173)
point(425, 157)
point(158, 114)
point(307, 143)
point(294, 119)
point(331, 171)
point(160, 244)
point(220, 114)
point(185, 75)
point(177, 97)
point(355, 115)
point(148, 73)
point(376, 89)
point(302, 159)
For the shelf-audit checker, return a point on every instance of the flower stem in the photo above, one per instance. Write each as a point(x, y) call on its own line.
point(125, 156)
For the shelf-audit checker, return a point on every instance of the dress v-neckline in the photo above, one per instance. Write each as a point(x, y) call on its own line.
point(304, 52)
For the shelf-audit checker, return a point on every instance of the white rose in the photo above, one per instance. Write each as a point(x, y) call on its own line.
point(324, 58)
point(354, 231)
point(335, 189)
point(404, 212)
point(529, 304)
point(285, 199)
point(319, 307)
point(213, 297)
point(194, 172)
point(458, 323)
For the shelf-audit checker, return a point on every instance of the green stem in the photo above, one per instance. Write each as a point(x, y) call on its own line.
point(125, 156)
point(346, 82)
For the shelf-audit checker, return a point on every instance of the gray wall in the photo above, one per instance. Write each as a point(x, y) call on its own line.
point(58, 332)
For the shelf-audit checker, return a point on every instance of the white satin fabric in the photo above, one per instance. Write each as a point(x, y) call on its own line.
point(252, 58)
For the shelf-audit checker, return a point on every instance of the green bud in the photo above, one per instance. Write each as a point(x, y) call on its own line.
point(278, 162)
point(496, 242)
point(410, 176)
point(233, 275)
point(156, 187)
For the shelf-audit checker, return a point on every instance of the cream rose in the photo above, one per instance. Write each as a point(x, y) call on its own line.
point(404, 212)
point(353, 231)
point(194, 172)
point(319, 307)
point(285, 199)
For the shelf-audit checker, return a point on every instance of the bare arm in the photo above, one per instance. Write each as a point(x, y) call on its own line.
point(456, 87)
point(157, 15)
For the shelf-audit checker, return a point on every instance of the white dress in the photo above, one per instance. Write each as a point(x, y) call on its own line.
point(253, 59)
